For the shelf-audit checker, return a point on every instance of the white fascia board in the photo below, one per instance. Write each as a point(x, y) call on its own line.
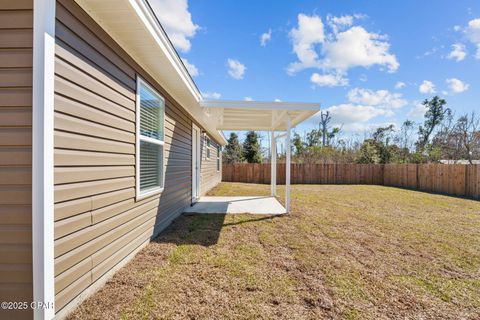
point(146, 14)
point(223, 141)
point(42, 157)
point(260, 105)
point(134, 26)
point(241, 114)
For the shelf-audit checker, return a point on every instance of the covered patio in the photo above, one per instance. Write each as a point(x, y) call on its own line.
point(278, 118)
point(237, 205)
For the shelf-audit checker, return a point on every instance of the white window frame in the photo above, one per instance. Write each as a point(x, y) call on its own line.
point(141, 195)
point(219, 153)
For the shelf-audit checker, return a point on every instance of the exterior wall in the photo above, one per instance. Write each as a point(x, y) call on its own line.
point(98, 221)
point(16, 40)
point(209, 175)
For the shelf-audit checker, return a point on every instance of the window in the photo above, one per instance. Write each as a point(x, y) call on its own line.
point(218, 158)
point(150, 140)
point(209, 144)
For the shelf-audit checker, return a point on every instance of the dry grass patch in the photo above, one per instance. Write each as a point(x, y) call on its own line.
point(345, 252)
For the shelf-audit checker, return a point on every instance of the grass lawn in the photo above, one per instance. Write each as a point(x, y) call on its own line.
point(345, 252)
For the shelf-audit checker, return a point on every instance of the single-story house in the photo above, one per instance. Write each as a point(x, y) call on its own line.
point(104, 140)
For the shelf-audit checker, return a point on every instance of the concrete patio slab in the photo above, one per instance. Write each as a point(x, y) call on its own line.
point(237, 205)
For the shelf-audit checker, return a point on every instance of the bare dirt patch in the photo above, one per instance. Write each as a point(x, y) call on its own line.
point(345, 252)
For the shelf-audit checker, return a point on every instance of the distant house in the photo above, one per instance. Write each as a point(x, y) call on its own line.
point(459, 161)
point(104, 140)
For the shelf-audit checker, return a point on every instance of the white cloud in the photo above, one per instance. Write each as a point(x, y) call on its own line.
point(211, 95)
point(345, 113)
point(418, 111)
point(427, 53)
point(329, 80)
point(277, 100)
point(473, 30)
point(340, 50)
point(265, 37)
point(473, 34)
point(458, 52)
point(192, 69)
point(177, 21)
point(457, 86)
point(248, 99)
point(356, 117)
point(427, 87)
point(380, 98)
point(400, 85)
point(339, 23)
point(236, 69)
point(358, 48)
point(308, 34)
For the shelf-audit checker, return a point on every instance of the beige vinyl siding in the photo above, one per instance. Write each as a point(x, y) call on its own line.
point(98, 221)
point(209, 176)
point(16, 39)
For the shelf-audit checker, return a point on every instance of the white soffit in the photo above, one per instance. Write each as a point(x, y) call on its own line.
point(256, 115)
point(133, 25)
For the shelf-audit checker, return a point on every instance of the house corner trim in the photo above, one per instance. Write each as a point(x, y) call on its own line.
point(42, 158)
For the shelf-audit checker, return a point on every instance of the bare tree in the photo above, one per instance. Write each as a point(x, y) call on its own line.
point(325, 119)
point(468, 127)
point(447, 139)
point(406, 134)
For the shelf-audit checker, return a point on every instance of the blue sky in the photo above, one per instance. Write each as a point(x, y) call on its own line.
point(369, 62)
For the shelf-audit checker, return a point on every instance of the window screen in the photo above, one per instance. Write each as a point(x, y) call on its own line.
point(151, 109)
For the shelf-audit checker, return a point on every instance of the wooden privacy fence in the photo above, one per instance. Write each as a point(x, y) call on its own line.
point(453, 179)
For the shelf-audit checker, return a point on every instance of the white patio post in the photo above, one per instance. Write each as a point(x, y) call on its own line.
point(287, 175)
point(273, 164)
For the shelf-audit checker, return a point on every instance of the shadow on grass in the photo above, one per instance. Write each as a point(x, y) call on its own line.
point(202, 229)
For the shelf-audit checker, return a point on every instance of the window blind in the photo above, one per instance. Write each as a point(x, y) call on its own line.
point(151, 164)
point(151, 108)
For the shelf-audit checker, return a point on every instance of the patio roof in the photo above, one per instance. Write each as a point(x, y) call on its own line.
point(256, 115)
point(262, 116)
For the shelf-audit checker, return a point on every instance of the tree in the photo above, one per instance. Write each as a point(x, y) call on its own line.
point(325, 119)
point(405, 142)
point(368, 153)
point(436, 112)
point(468, 127)
point(332, 134)
point(313, 138)
point(446, 143)
point(324, 129)
point(233, 150)
point(381, 142)
point(298, 144)
point(251, 148)
point(382, 134)
point(406, 133)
